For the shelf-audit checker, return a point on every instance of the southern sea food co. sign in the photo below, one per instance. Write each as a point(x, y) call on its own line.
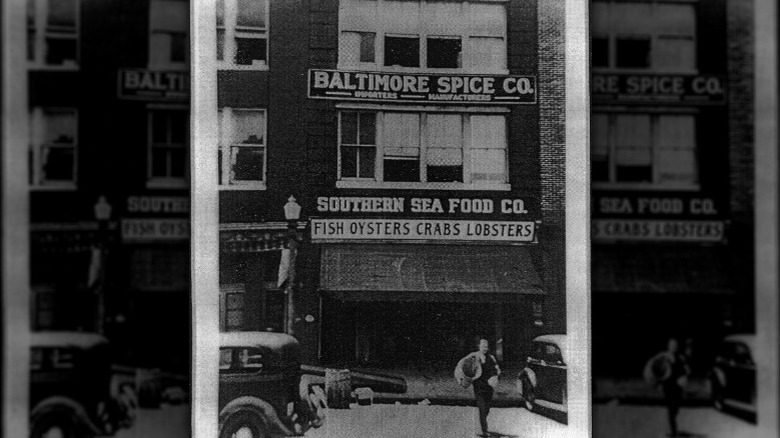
point(428, 88)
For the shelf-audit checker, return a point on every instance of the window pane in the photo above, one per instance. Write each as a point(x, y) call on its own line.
point(402, 134)
point(31, 44)
point(349, 127)
point(488, 19)
point(367, 41)
point(60, 50)
point(349, 161)
point(248, 163)
point(633, 150)
point(600, 51)
point(58, 165)
point(349, 47)
point(179, 131)
point(159, 127)
point(235, 319)
point(366, 159)
point(444, 157)
point(159, 162)
point(488, 165)
point(633, 17)
point(445, 173)
point(674, 54)
point(672, 19)
point(249, 50)
point(444, 131)
point(444, 53)
point(402, 51)
point(62, 13)
point(444, 18)
point(60, 127)
point(599, 17)
point(220, 44)
point(677, 166)
point(248, 127)
point(600, 147)
point(402, 170)
point(633, 52)
point(220, 12)
point(178, 47)
point(178, 162)
point(367, 128)
point(632, 131)
point(225, 358)
point(160, 48)
point(676, 132)
point(487, 54)
point(488, 132)
point(251, 13)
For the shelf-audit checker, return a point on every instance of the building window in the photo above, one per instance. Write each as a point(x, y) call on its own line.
point(242, 148)
point(168, 148)
point(54, 145)
point(644, 35)
point(417, 35)
point(644, 150)
point(411, 149)
point(242, 34)
point(53, 33)
point(168, 43)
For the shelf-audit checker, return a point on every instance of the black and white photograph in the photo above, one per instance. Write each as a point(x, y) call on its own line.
point(390, 185)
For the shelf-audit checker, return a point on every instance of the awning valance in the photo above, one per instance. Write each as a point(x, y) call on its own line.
point(428, 268)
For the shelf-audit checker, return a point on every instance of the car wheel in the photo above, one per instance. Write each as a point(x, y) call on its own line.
point(528, 394)
point(242, 425)
point(54, 425)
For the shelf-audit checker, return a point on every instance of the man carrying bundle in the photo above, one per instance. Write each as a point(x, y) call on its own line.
point(481, 370)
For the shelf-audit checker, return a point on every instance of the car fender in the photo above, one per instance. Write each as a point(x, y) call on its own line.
point(260, 407)
point(69, 405)
point(531, 376)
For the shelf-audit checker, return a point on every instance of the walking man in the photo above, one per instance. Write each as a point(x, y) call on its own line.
point(484, 379)
point(670, 370)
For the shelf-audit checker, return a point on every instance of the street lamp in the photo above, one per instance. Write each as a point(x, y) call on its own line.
point(292, 212)
point(102, 215)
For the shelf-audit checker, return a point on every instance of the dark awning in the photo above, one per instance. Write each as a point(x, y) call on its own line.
point(662, 269)
point(406, 269)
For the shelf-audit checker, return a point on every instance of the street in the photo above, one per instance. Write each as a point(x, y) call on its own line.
point(619, 421)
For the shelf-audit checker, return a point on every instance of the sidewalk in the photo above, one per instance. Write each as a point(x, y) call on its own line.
point(636, 391)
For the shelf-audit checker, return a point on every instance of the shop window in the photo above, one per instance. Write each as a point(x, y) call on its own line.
point(443, 52)
point(419, 35)
point(234, 311)
point(53, 33)
point(395, 149)
point(242, 148)
point(168, 44)
point(644, 150)
point(168, 148)
point(160, 269)
point(242, 34)
point(53, 134)
point(646, 35)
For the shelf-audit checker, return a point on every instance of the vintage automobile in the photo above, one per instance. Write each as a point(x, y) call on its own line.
point(262, 391)
point(543, 380)
point(74, 391)
point(733, 375)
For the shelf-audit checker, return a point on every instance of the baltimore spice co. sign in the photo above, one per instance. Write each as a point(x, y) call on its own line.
point(422, 88)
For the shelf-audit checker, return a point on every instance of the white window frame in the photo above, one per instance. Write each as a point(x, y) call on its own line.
point(226, 181)
point(377, 182)
point(156, 182)
point(231, 30)
point(38, 146)
point(382, 29)
point(154, 47)
point(40, 32)
point(654, 115)
point(654, 37)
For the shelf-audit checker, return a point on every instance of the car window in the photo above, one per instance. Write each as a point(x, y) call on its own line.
point(36, 359)
point(225, 358)
point(742, 354)
point(552, 353)
point(250, 358)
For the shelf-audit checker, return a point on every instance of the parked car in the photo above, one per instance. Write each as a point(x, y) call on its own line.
point(73, 390)
point(733, 375)
point(262, 392)
point(543, 380)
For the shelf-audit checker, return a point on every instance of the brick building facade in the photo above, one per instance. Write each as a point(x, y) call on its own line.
point(422, 223)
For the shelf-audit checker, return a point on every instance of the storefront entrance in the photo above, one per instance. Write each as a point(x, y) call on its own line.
point(425, 336)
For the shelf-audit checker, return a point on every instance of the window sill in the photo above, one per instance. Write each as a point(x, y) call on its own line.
point(249, 186)
point(45, 67)
point(223, 66)
point(62, 187)
point(645, 187)
point(167, 184)
point(355, 184)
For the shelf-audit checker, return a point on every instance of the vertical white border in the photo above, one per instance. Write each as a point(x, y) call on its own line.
point(205, 221)
point(578, 303)
point(766, 209)
point(16, 233)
